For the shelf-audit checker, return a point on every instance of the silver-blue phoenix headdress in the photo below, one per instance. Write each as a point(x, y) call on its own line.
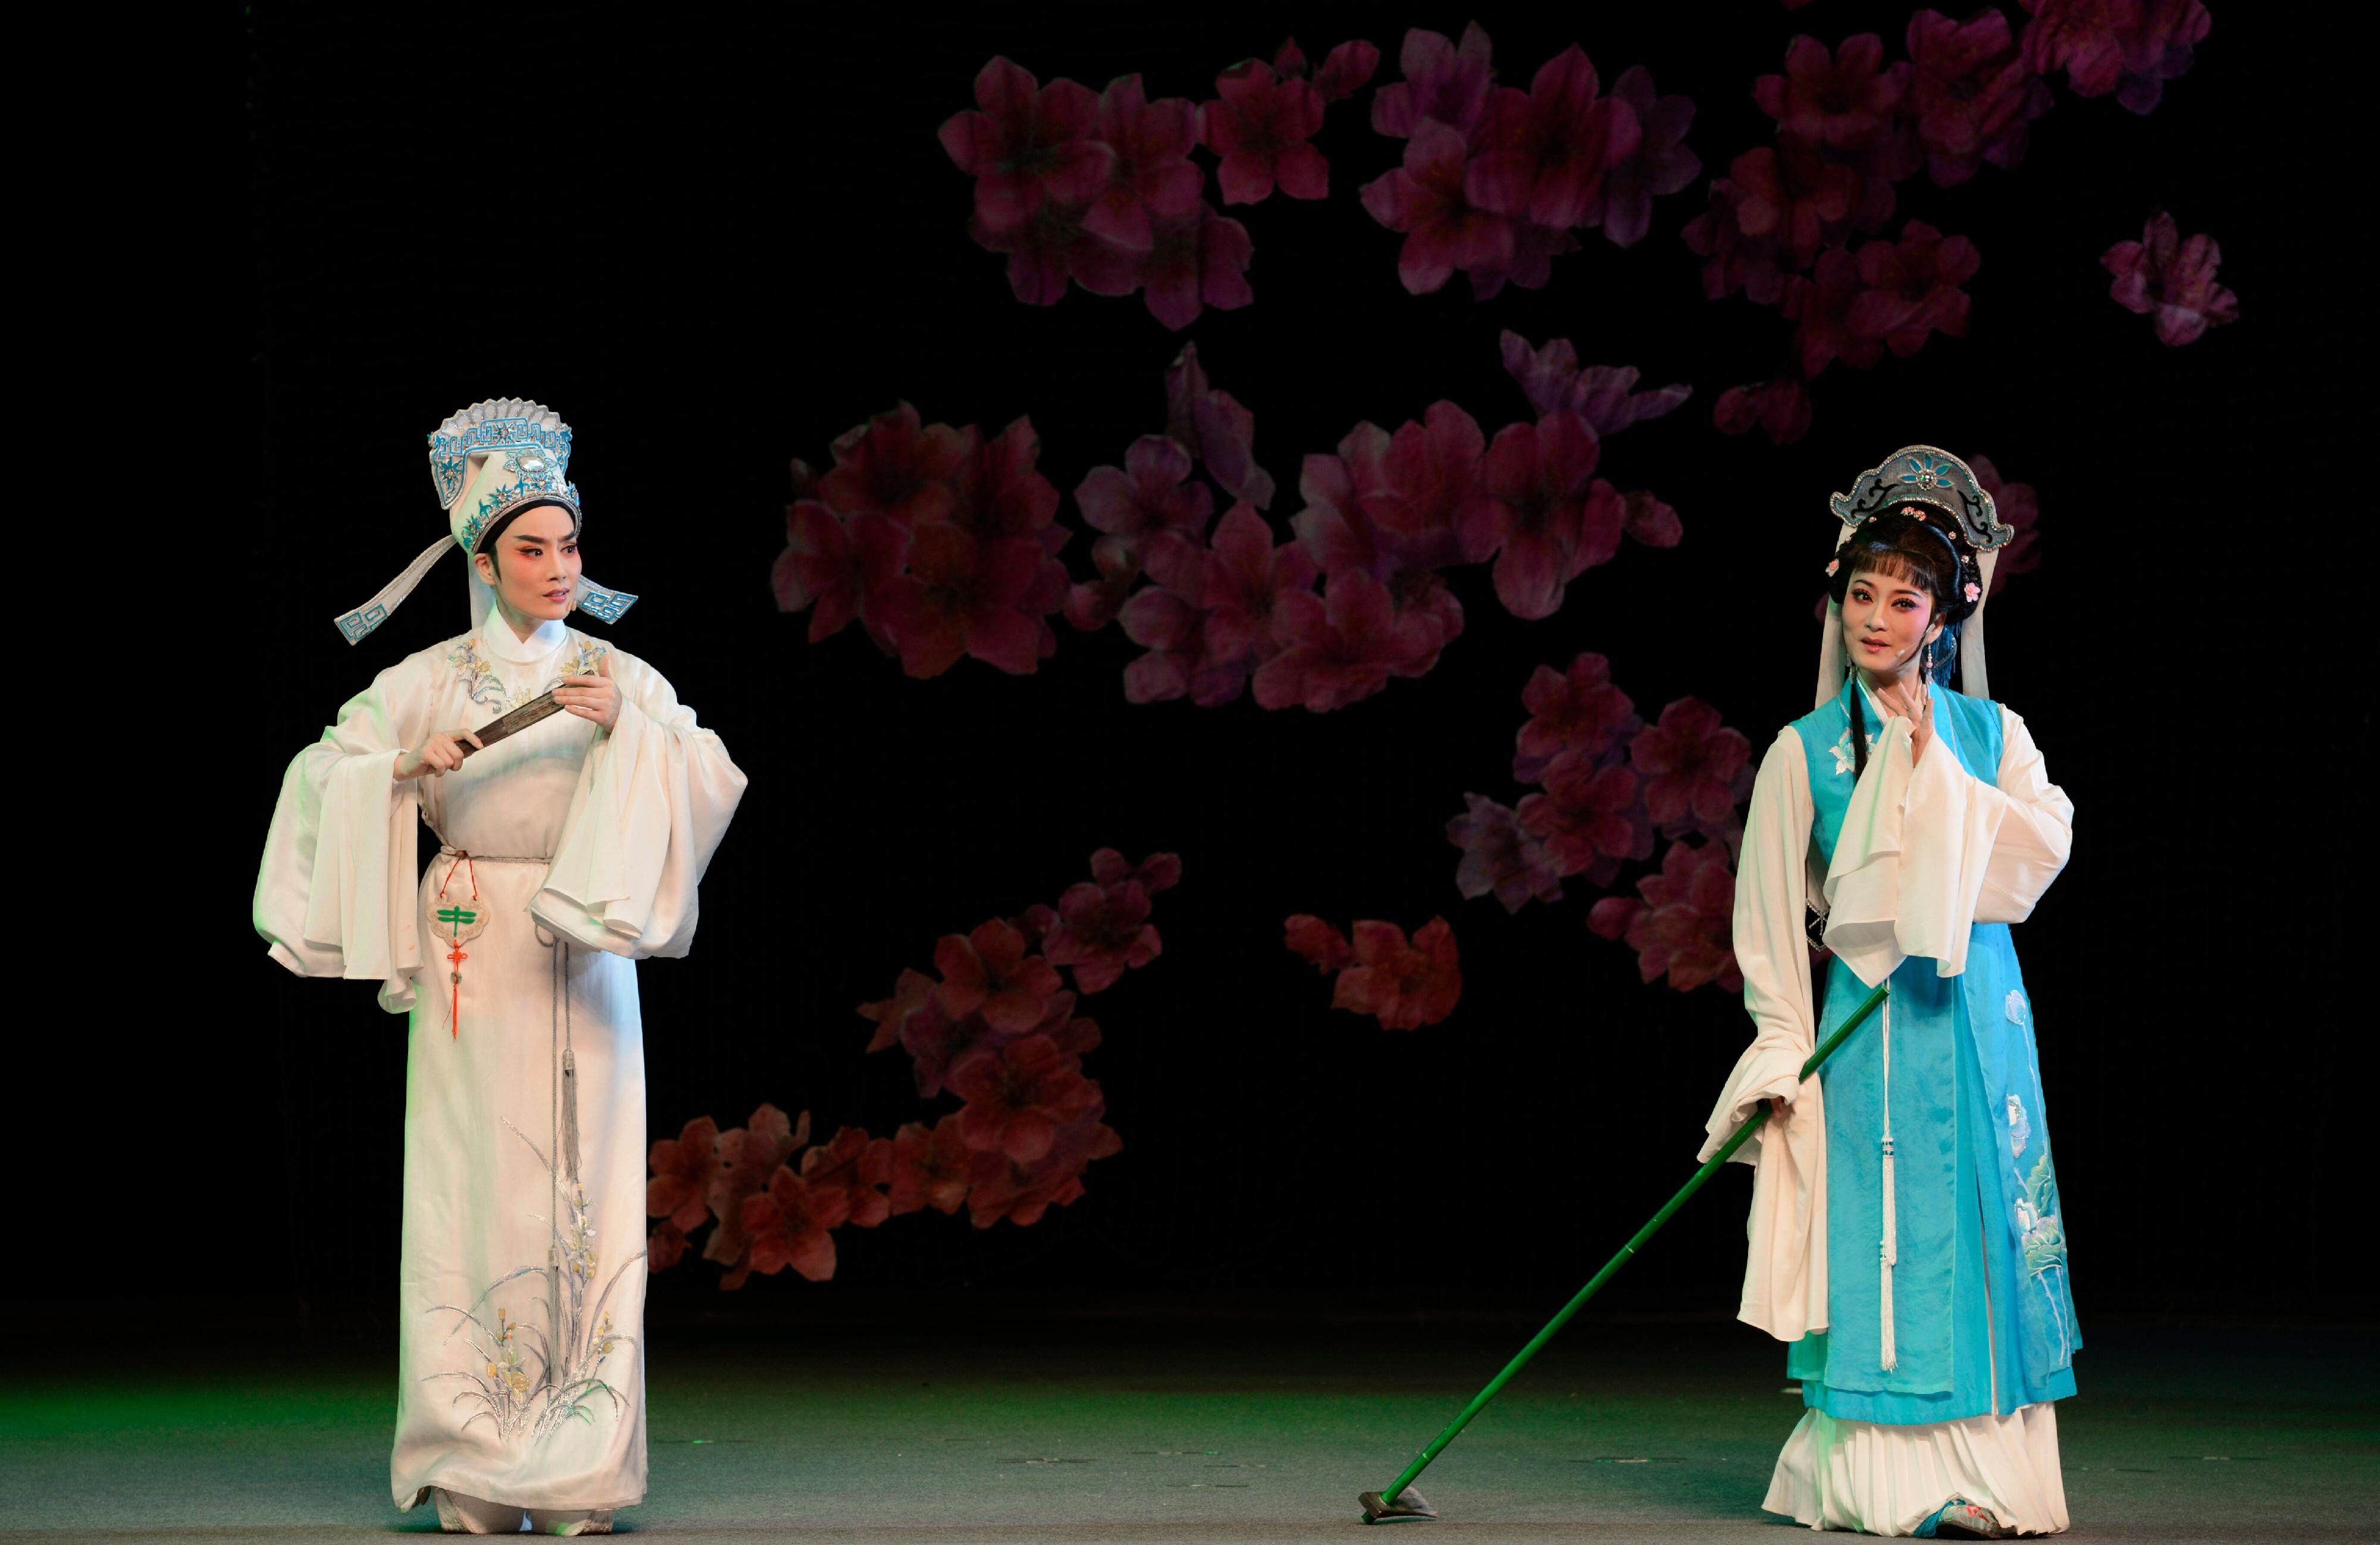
point(1931, 476)
point(488, 461)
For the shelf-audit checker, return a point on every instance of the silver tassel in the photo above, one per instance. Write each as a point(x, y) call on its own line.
point(570, 1115)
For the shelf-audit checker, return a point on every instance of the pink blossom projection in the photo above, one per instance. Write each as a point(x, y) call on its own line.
point(2018, 505)
point(1608, 789)
point(1100, 191)
point(940, 542)
point(944, 545)
point(1402, 983)
point(1496, 180)
point(1804, 223)
point(2173, 280)
point(994, 1027)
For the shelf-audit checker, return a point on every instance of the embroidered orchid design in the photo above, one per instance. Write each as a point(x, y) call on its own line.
point(1845, 759)
point(2020, 1126)
point(2013, 1006)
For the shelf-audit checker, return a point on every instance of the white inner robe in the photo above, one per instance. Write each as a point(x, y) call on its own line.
point(521, 1289)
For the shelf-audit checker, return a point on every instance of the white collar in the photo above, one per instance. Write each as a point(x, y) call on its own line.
point(501, 642)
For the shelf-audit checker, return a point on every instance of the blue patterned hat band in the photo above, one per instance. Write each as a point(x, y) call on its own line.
point(489, 460)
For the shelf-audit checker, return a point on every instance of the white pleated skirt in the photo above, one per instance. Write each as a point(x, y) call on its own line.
point(1888, 1480)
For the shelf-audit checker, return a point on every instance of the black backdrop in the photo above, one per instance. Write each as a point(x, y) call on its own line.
point(714, 244)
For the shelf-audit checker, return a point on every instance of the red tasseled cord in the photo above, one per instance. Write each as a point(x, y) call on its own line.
point(455, 1003)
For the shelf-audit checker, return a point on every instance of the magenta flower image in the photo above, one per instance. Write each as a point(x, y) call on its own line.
point(994, 1026)
point(2173, 280)
point(1801, 224)
point(1497, 180)
point(1403, 983)
point(1101, 191)
point(943, 544)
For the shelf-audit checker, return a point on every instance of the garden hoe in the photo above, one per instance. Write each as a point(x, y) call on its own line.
point(1408, 1503)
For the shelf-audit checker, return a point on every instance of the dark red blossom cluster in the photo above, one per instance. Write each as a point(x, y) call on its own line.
point(943, 543)
point(1496, 180)
point(1606, 784)
point(2173, 280)
point(1402, 983)
point(1100, 191)
point(995, 1026)
point(1787, 225)
point(1358, 597)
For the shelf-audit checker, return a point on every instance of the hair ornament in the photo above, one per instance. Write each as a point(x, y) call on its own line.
point(1930, 476)
point(1974, 592)
point(1833, 564)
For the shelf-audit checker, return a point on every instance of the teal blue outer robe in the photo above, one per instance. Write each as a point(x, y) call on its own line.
point(1983, 1319)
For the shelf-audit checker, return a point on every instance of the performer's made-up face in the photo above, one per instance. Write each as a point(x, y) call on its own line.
point(1887, 620)
point(533, 568)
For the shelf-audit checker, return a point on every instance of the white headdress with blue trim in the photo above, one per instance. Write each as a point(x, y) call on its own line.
point(1920, 475)
point(489, 460)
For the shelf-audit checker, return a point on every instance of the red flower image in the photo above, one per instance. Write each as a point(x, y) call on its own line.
point(2173, 279)
point(1426, 198)
point(1429, 475)
point(1246, 577)
point(1002, 1187)
point(1102, 931)
point(930, 1167)
point(996, 492)
point(1577, 711)
point(1169, 621)
point(1158, 871)
point(1259, 125)
point(1342, 646)
point(1685, 927)
point(1587, 819)
point(1973, 93)
point(1546, 518)
point(965, 597)
point(912, 991)
point(1029, 146)
point(1659, 165)
point(1841, 101)
point(749, 1155)
point(1216, 430)
point(1498, 855)
point(1050, 247)
point(844, 571)
point(1321, 945)
point(1544, 150)
point(665, 1246)
point(988, 971)
point(2018, 505)
point(1148, 510)
point(785, 1229)
point(1822, 304)
point(1152, 173)
point(842, 1179)
point(1442, 84)
point(1912, 287)
point(1739, 260)
point(1781, 407)
point(1650, 521)
point(1405, 986)
point(2130, 47)
point(1343, 73)
point(1791, 192)
point(684, 1167)
point(1605, 395)
point(1689, 762)
point(1197, 260)
point(1019, 1096)
point(895, 466)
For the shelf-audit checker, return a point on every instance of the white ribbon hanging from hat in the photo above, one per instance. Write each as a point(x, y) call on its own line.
point(489, 460)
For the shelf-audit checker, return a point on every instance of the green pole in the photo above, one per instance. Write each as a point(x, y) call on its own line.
point(1652, 1227)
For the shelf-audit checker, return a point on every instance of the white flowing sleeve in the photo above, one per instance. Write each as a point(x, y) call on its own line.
point(653, 802)
point(1785, 1264)
point(335, 892)
point(1927, 851)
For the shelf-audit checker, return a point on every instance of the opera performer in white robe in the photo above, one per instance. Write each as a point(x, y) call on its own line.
point(566, 851)
point(1906, 1236)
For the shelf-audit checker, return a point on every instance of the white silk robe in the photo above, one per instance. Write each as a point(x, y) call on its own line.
point(522, 1276)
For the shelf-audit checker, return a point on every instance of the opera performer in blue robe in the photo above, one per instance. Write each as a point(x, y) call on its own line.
point(1906, 1236)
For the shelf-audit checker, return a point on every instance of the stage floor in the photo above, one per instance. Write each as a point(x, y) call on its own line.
point(1111, 1431)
